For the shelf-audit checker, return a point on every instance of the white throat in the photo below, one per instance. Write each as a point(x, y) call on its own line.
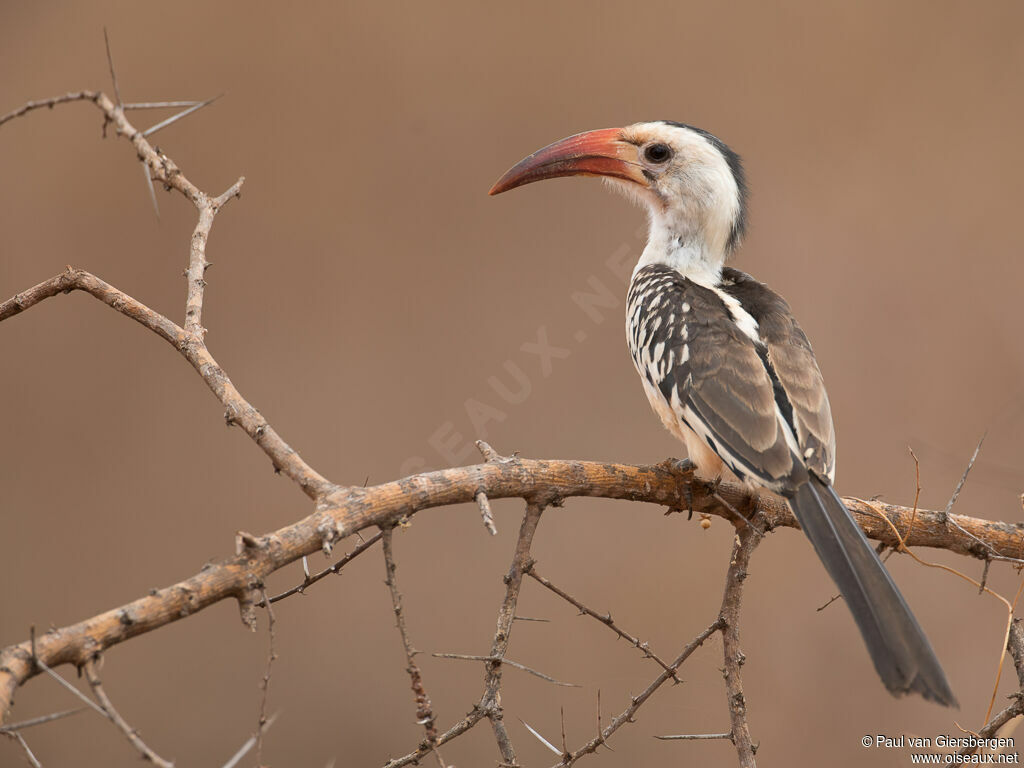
point(687, 252)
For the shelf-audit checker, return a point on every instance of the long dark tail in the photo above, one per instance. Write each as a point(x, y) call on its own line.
point(902, 654)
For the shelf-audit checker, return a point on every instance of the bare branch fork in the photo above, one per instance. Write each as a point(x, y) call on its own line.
point(341, 511)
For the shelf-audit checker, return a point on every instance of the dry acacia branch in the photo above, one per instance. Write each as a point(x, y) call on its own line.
point(626, 715)
point(424, 712)
point(605, 619)
point(191, 347)
point(489, 705)
point(188, 340)
point(413, 758)
point(352, 509)
point(521, 563)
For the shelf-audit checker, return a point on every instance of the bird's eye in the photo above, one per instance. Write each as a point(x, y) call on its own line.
point(657, 153)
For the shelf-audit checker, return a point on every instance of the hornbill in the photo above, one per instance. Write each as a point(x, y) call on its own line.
point(727, 368)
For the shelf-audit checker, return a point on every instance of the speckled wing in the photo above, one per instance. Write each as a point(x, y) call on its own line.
point(687, 343)
point(793, 367)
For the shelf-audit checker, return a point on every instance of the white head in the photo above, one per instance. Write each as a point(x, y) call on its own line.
point(691, 183)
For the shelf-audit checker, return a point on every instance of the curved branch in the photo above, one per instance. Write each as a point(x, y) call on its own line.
point(548, 482)
point(50, 103)
point(238, 410)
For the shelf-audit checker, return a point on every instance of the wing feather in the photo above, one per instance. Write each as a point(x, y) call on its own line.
point(724, 391)
point(792, 361)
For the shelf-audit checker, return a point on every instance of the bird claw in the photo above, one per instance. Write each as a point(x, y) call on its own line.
point(683, 465)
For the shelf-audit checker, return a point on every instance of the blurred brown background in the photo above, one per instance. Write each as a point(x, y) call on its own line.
point(365, 288)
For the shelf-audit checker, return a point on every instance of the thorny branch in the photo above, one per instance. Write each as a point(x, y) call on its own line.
point(356, 508)
point(424, 712)
point(606, 619)
point(341, 511)
point(334, 568)
point(188, 340)
point(490, 705)
point(626, 716)
point(743, 546)
point(521, 563)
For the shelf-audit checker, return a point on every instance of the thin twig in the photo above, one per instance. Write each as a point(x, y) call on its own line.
point(497, 660)
point(475, 715)
point(917, 491)
point(605, 619)
point(829, 602)
point(335, 568)
point(956, 495)
point(92, 675)
point(626, 716)
point(249, 743)
point(40, 720)
point(95, 707)
point(50, 103)
point(261, 722)
point(32, 759)
point(963, 477)
point(715, 495)
point(424, 712)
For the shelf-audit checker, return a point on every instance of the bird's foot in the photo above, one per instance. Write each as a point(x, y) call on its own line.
point(682, 467)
